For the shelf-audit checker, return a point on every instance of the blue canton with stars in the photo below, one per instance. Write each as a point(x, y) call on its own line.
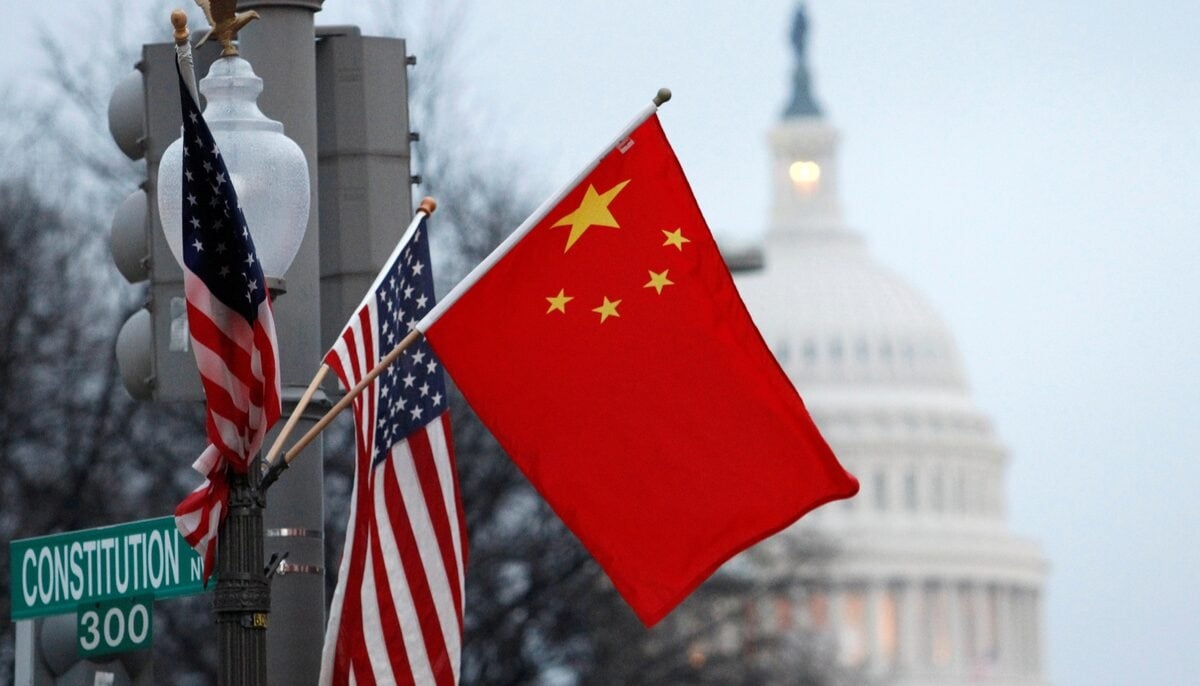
point(216, 241)
point(412, 392)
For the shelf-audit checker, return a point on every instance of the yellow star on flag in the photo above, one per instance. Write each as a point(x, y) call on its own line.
point(592, 211)
point(658, 281)
point(675, 238)
point(559, 302)
point(608, 309)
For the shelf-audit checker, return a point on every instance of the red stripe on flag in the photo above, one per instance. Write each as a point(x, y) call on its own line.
point(234, 350)
point(351, 648)
point(222, 403)
point(216, 440)
point(393, 633)
point(435, 504)
point(462, 515)
point(265, 344)
point(418, 582)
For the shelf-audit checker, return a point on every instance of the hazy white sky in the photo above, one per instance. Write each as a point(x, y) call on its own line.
point(1030, 166)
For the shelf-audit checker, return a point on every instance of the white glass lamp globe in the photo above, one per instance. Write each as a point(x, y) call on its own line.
point(268, 169)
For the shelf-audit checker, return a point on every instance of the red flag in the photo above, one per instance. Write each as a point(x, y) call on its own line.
point(608, 351)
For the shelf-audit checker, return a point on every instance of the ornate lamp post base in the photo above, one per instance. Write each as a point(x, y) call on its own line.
point(242, 597)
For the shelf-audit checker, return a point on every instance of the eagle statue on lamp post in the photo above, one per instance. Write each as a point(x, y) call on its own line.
point(226, 21)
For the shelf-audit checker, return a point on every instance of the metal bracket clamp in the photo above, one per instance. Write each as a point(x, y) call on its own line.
point(273, 564)
point(293, 532)
point(317, 405)
point(286, 568)
point(283, 567)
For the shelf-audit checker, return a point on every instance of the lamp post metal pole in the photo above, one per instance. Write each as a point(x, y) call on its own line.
point(243, 595)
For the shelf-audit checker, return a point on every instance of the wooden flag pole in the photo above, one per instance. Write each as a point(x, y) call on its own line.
point(295, 416)
point(183, 52)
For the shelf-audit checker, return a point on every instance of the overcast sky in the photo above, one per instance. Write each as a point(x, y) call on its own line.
point(1030, 166)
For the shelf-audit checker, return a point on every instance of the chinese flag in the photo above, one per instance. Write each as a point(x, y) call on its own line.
point(610, 354)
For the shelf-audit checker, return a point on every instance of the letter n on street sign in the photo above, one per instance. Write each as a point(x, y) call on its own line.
point(115, 626)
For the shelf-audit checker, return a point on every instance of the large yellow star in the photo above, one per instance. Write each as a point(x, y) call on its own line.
point(592, 211)
point(608, 309)
point(559, 302)
point(675, 238)
point(658, 281)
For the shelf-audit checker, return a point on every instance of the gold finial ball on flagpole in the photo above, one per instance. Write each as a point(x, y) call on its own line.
point(428, 205)
point(179, 21)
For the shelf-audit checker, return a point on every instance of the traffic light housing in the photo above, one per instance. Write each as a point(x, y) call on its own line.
point(153, 348)
point(47, 655)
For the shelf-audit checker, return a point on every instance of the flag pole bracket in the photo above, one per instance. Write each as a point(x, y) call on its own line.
point(276, 285)
point(272, 474)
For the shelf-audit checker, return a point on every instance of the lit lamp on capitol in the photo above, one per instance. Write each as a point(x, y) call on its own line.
point(805, 174)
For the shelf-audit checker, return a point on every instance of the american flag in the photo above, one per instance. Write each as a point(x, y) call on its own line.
point(397, 612)
point(231, 327)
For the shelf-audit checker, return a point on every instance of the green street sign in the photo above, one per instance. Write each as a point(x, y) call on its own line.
point(54, 574)
point(115, 626)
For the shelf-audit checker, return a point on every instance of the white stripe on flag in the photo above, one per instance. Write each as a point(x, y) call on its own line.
point(230, 433)
point(209, 460)
point(436, 431)
point(337, 606)
point(232, 323)
point(343, 355)
point(213, 367)
point(372, 627)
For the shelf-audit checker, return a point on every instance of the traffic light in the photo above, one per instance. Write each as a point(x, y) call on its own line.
point(153, 346)
point(364, 164)
point(47, 654)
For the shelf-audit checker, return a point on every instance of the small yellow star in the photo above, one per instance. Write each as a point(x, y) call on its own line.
point(559, 302)
point(608, 309)
point(592, 211)
point(675, 238)
point(658, 281)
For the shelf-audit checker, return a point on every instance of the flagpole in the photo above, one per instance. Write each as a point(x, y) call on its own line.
point(183, 52)
point(661, 97)
point(294, 418)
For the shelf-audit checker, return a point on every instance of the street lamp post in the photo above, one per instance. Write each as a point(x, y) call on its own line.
point(270, 173)
point(242, 597)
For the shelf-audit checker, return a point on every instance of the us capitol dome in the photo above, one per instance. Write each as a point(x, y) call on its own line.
point(927, 584)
